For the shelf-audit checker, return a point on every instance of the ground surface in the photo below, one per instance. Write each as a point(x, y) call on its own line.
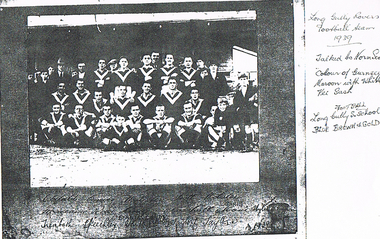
point(58, 167)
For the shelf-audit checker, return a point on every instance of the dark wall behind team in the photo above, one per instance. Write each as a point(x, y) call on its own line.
point(211, 41)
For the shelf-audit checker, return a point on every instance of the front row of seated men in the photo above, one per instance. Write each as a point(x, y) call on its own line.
point(118, 132)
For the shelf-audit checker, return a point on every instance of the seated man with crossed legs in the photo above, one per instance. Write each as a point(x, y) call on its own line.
point(219, 125)
point(188, 127)
point(159, 128)
point(116, 136)
point(104, 125)
point(79, 128)
point(136, 128)
point(52, 126)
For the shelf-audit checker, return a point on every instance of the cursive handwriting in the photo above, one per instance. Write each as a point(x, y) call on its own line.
point(60, 222)
point(95, 222)
point(346, 117)
point(60, 198)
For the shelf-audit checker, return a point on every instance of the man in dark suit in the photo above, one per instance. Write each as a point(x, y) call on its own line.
point(246, 103)
point(80, 73)
point(61, 75)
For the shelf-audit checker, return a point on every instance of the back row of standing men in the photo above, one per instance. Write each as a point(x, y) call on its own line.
point(120, 87)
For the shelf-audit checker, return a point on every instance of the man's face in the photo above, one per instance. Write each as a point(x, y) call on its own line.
point(243, 81)
point(123, 62)
point(122, 91)
point(44, 75)
point(61, 87)
point(172, 84)
point(107, 111)
point(213, 67)
point(102, 64)
point(169, 59)
point(155, 57)
point(50, 70)
point(56, 109)
point(113, 66)
point(160, 111)
point(81, 67)
point(203, 73)
point(188, 108)
point(194, 94)
point(78, 110)
point(187, 62)
point(200, 63)
point(146, 88)
point(222, 106)
point(98, 95)
point(120, 120)
point(135, 111)
point(80, 85)
point(146, 60)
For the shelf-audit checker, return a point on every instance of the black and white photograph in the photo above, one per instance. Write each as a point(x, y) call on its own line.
point(184, 90)
point(153, 119)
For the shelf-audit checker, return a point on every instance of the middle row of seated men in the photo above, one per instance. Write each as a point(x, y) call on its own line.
point(121, 132)
point(123, 97)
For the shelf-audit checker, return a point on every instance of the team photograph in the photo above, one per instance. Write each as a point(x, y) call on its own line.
point(189, 86)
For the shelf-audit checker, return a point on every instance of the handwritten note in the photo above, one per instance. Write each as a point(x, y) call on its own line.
point(65, 214)
point(344, 71)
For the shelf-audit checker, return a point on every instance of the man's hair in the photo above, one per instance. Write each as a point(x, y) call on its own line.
point(160, 105)
point(123, 57)
point(145, 54)
point(60, 106)
point(222, 99)
point(166, 54)
point(134, 105)
point(106, 105)
point(188, 102)
point(172, 78)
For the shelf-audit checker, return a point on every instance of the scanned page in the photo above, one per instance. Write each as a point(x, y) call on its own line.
point(153, 119)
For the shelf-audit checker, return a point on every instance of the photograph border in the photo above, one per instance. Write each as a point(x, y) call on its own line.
point(15, 163)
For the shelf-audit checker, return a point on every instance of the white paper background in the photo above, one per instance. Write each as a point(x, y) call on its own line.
point(343, 169)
